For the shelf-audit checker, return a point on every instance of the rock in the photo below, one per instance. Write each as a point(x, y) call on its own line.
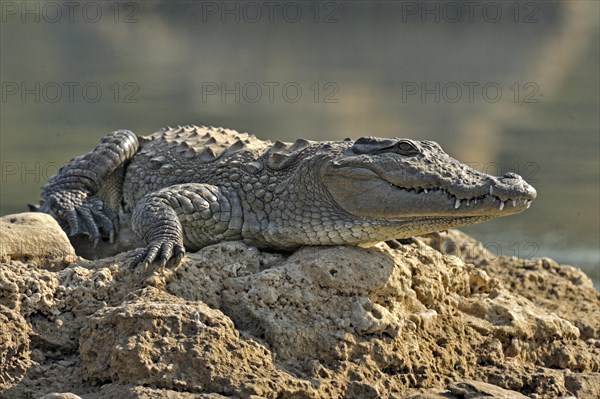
point(324, 322)
point(14, 348)
point(542, 281)
point(583, 385)
point(34, 238)
point(163, 341)
point(112, 391)
point(481, 390)
point(64, 395)
point(202, 277)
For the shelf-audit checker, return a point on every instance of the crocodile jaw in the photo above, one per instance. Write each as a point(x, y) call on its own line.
point(381, 194)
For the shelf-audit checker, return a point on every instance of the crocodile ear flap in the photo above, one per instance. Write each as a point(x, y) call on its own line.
point(281, 155)
point(365, 145)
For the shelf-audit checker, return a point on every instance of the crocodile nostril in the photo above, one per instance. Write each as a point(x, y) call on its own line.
point(512, 175)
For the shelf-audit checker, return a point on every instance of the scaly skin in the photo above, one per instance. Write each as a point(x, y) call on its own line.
point(188, 187)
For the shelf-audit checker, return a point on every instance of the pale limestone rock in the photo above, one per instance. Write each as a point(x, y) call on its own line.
point(34, 238)
point(163, 341)
point(61, 395)
point(325, 322)
point(14, 347)
point(480, 390)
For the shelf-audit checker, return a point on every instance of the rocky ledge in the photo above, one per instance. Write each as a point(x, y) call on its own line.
point(438, 318)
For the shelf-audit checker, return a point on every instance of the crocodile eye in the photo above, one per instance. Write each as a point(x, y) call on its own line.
point(375, 145)
point(406, 147)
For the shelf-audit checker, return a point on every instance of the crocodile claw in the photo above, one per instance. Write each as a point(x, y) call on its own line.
point(162, 251)
point(84, 215)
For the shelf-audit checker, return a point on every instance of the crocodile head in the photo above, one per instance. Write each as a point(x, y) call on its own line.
point(417, 184)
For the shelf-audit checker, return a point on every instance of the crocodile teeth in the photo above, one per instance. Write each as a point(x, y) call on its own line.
point(475, 201)
point(491, 190)
point(501, 205)
point(457, 204)
point(468, 202)
point(425, 190)
point(514, 202)
point(528, 202)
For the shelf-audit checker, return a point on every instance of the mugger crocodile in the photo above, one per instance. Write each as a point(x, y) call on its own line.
point(191, 186)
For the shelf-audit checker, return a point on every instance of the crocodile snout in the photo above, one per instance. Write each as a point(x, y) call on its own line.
point(513, 186)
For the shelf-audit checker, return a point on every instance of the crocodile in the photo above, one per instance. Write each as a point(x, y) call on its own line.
point(190, 186)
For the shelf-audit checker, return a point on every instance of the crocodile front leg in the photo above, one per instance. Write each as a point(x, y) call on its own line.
point(183, 216)
point(73, 195)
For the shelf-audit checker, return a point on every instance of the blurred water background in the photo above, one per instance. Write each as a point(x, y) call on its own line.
point(505, 86)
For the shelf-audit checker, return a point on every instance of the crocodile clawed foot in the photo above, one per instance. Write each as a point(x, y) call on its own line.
point(161, 251)
point(84, 215)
